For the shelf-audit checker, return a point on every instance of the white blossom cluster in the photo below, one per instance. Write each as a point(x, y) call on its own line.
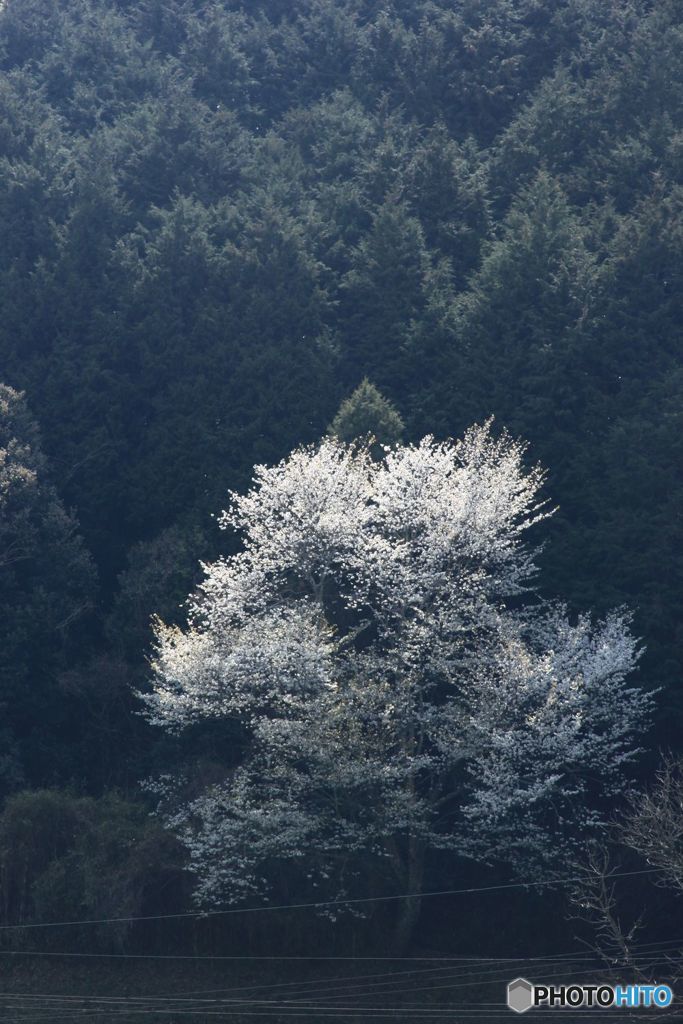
point(402, 685)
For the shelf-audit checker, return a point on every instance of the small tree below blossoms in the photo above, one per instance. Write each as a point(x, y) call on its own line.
point(402, 687)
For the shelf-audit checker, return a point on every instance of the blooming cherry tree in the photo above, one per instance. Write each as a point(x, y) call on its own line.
point(401, 684)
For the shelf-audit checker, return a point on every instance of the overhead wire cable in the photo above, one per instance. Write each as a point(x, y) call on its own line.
point(204, 914)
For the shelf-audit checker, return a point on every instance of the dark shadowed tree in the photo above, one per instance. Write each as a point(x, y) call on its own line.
point(367, 415)
point(47, 587)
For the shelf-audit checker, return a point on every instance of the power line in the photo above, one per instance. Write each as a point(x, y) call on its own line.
point(331, 958)
point(290, 1001)
point(298, 1004)
point(318, 905)
point(367, 1013)
point(303, 958)
point(565, 962)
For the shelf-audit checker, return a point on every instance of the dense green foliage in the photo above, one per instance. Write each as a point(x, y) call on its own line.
point(218, 219)
point(367, 416)
point(47, 586)
point(74, 857)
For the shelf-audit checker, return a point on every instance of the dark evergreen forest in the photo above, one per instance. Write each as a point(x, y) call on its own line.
point(217, 219)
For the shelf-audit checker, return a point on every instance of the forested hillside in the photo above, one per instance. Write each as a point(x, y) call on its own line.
point(218, 218)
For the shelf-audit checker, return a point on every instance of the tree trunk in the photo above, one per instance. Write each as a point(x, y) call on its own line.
point(409, 909)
